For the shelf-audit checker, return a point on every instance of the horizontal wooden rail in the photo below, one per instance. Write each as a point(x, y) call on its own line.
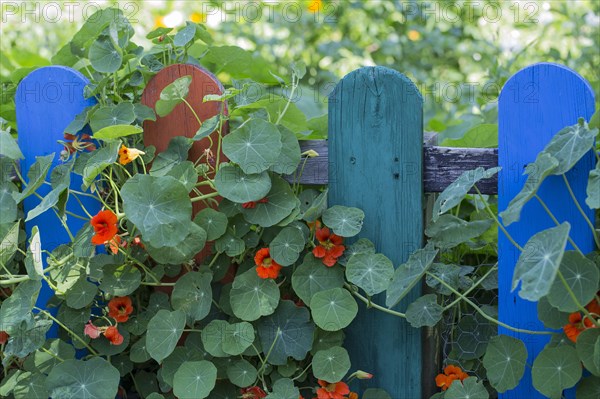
point(442, 165)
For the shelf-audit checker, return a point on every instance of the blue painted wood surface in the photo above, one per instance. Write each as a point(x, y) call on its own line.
point(375, 158)
point(47, 100)
point(534, 105)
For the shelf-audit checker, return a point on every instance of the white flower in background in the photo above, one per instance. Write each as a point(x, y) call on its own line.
point(173, 19)
point(592, 19)
point(546, 17)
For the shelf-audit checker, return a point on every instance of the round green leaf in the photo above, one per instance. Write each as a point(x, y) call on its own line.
point(408, 274)
point(213, 222)
point(469, 388)
point(371, 272)
point(313, 276)
point(425, 311)
point(242, 373)
point(185, 35)
point(362, 246)
point(290, 157)
point(280, 203)
point(120, 280)
point(92, 379)
point(43, 360)
point(30, 386)
point(230, 244)
point(252, 297)
point(550, 316)
point(172, 363)
point(237, 338)
point(164, 330)
point(160, 208)
point(586, 342)
point(291, 329)
point(192, 294)
point(104, 57)
point(212, 337)
point(194, 380)
point(172, 95)
point(581, 275)
point(331, 365)
point(138, 352)
point(239, 187)
point(505, 361)
point(255, 145)
point(117, 131)
point(344, 221)
point(326, 339)
point(588, 388)
point(556, 369)
point(333, 309)
point(287, 245)
point(81, 294)
point(112, 115)
point(182, 252)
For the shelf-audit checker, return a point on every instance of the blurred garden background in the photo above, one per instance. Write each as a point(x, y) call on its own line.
point(459, 53)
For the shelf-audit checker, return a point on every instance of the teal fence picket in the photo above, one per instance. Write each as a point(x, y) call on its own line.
point(375, 163)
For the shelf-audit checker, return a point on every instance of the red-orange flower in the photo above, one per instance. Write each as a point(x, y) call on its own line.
point(3, 337)
point(78, 143)
point(114, 244)
point(252, 204)
point(265, 266)
point(576, 325)
point(336, 390)
point(105, 226)
point(594, 306)
point(119, 308)
point(113, 335)
point(330, 246)
point(352, 395)
point(253, 393)
point(451, 374)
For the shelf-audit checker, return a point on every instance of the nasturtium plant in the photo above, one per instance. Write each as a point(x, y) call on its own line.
point(221, 275)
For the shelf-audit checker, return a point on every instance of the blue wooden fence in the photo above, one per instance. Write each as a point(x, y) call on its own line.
point(375, 162)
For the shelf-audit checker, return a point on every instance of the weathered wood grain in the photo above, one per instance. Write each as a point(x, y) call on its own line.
point(441, 165)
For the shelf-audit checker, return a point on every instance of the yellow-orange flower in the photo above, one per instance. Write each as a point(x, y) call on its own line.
point(159, 22)
point(197, 17)
point(451, 374)
point(315, 6)
point(414, 35)
point(127, 155)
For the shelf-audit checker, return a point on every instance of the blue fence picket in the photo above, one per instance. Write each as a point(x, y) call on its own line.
point(47, 100)
point(375, 157)
point(534, 105)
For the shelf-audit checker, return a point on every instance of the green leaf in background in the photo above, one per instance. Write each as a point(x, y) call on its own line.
point(238, 63)
point(586, 342)
point(192, 294)
point(232, 183)
point(208, 126)
point(49, 201)
point(17, 307)
point(280, 203)
point(312, 277)
point(185, 35)
point(556, 369)
point(505, 360)
point(164, 330)
point(456, 192)
point(212, 337)
point(449, 274)
point(425, 311)
point(287, 245)
point(29, 336)
point(237, 337)
point(254, 146)
point(31, 386)
point(313, 203)
point(172, 95)
point(570, 144)
point(213, 222)
point(143, 113)
point(538, 263)
point(112, 115)
point(185, 173)
point(480, 136)
point(289, 157)
point(104, 56)
point(550, 316)
point(544, 165)
point(252, 297)
point(81, 294)
point(9, 147)
point(408, 274)
point(343, 220)
point(10, 243)
point(8, 205)
point(120, 280)
point(371, 272)
point(376, 393)
point(284, 388)
point(45, 359)
point(33, 261)
point(242, 373)
point(35, 176)
point(182, 252)
point(588, 388)
point(448, 231)
point(160, 208)
point(582, 277)
point(593, 188)
point(230, 244)
point(175, 154)
point(331, 365)
point(194, 380)
point(92, 379)
point(469, 388)
point(117, 131)
point(333, 309)
point(98, 161)
point(362, 246)
point(292, 329)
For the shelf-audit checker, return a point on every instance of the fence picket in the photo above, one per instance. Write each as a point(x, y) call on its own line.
point(47, 100)
point(375, 163)
point(534, 105)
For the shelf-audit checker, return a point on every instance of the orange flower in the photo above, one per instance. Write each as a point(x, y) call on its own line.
point(265, 266)
point(127, 155)
point(119, 308)
point(451, 374)
point(252, 204)
point(594, 306)
point(330, 247)
point(197, 17)
point(336, 390)
point(113, 335)
point(353, 395)
point(105, 226)
point(91, 330)
point(3, 337)
point(315, 6)
point(253, 393)
point(114, 244)
point(576, 325)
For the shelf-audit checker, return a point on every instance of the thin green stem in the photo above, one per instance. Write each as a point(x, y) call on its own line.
point(555, 220)
point(77, 337)
point(467, 292)
point(370, 304)
point(493, 216)
point(287, 105)
point(266, 359)
point(587, 220)
point(193, 112)
point(204, 197)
